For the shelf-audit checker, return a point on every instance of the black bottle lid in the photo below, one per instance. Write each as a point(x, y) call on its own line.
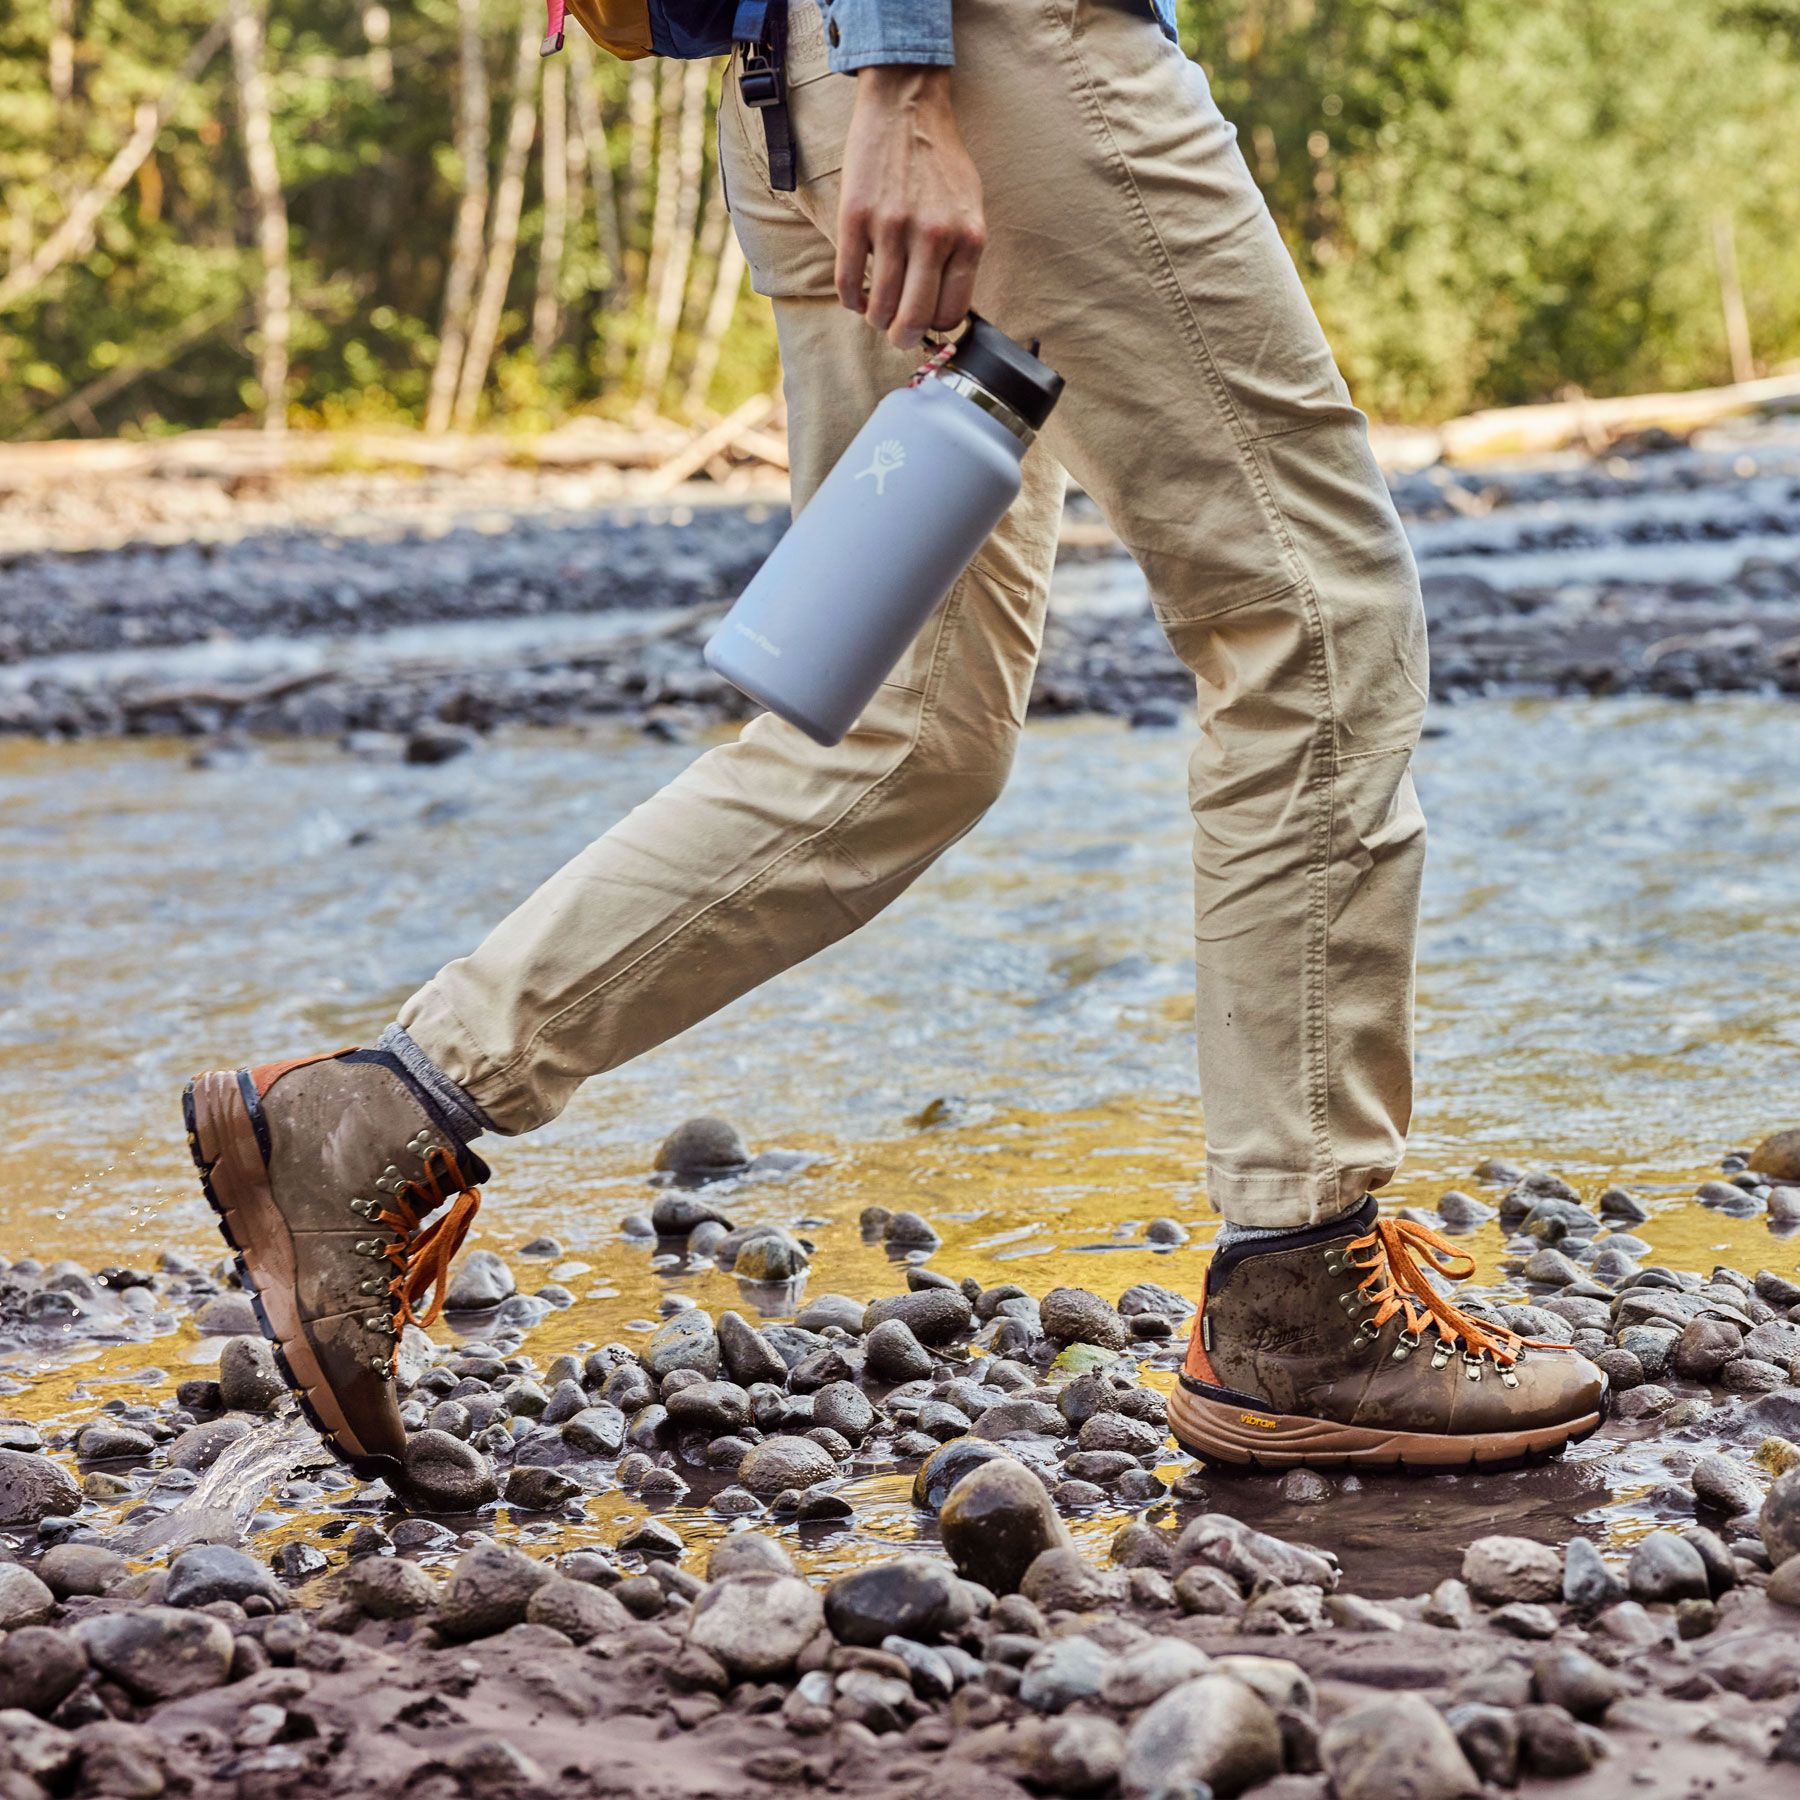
point(1007, 370)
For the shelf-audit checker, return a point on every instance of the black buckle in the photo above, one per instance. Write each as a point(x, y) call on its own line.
point(759, 78)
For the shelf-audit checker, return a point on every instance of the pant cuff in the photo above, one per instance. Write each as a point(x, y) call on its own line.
point(434, 1025)
point(1287, 1201)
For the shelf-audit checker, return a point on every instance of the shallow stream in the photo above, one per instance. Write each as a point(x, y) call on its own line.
point(1606, 988)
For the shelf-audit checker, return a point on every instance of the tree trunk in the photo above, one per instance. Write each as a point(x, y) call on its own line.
point(546, 311)
point(274, 298)
point(599, 163)
point(683, 181)
point(1731, 299)
point(377, 31)
point(472, 125)
point(728, 283)
point(503, 238)
point(715, 228)
point(70, 238)
point(62, 51)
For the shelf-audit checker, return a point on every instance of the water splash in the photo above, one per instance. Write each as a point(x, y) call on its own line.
point(240, 1481)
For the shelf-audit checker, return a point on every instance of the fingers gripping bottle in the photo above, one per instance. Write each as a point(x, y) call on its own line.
point(824, 621)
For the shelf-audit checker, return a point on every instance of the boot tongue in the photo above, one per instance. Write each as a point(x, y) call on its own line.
point(470, 1166)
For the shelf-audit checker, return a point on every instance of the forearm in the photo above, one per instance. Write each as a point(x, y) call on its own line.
point(865, 34)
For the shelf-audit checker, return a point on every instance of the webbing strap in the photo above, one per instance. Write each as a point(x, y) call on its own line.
point(762, 80)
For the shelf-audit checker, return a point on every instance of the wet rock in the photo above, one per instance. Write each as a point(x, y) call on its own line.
point(1617, 1204)
point(1524, 1619)
point(688, 1341)
point(747, 1355)
point(1076, 1316)
point(248, 1378)
point(111, 1440)
point(387, 1587)
point(701, 1150)
point(24, 1599)
point(782, 1462)
point(200, 1446)
point(1115, 1431)
point(481, 1281)
point(910, 1597)
point(934, 1315)
point(443, 1474)
point(1448, 1605)
point(826, 1310)
point(1212, 1730)
point(33, 1487)
point(598, 1430)
point(38, 1668)
point(894, 1353)
point(1647, 1402)
point(1726, 1486)
point(1062, 1673)
point(159, 1652)
point(1778, 1156)
point(677, 1215)
point(1750, 1375)
point(227, 1315)
point(1499, 1569)
point(534, 1487)
point(1463, 1212)
point(68, 1569)
point(908, 1231)
point(1145, 1674)
point(947, 1465)
point(210, 1572)
point(713, 1407)
point(996, 1521)
point(1207, 1591)
point(1489, 1738)
point(1396, 1745)
point(1018, 1418)
point(770, 1255)
point(1252, 1557)
point(489, 1589)
point(841, 1406)
point(1060, 1580)
point(1665, 1567)
point(1651, 1345)
point(1587, 1581)
point(1774, 1340)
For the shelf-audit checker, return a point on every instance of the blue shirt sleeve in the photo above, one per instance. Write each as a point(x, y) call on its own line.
point(862, 33)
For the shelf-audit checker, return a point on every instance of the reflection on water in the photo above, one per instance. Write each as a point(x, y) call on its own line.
point(1610, 929)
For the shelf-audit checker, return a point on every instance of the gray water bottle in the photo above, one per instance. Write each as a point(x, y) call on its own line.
point(851, 584)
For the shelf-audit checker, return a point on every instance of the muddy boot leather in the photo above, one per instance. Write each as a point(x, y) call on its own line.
point(322, 1172)
point(1334, 1347)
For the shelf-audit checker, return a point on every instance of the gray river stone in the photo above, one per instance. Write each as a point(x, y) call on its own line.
point(1399, 1744)
point(1074, 1315)
point(443, 1474)
point(209, 1572)
point(783, 1462)
point(1500, 1569)
point(894, 1353)
point(249, 1381)
point(699, 1150)
point(757, 1624)
point(688, 1341)
point(33, 1488)
point(24, 1599)
point(996, 1521)
point(159, 1652)
point(38, 1668)
point(489, 1589)
point(934, 1315)
point(482, 1280)
point(947, 1465)
point(1212, 1730)
point(911, 1597)
point(1665, 1567)
point(748, 1356)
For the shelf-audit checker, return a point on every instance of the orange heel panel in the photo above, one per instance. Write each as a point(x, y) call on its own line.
point(1198, 1364)
point(266, 1077)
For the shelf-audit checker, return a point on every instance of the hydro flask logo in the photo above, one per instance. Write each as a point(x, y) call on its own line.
point(890, 454)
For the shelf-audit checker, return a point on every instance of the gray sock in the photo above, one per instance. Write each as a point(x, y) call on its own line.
point(460, 1112)
point(1230, 1233)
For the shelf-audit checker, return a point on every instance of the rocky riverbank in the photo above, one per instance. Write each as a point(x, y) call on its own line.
point(1671, 569)
point(194, 1604)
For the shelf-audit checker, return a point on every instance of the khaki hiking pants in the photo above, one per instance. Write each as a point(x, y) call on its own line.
point(1204, 415)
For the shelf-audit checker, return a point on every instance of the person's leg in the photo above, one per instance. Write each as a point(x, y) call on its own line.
point(769, 848)
point(323, 1171)
point(1204, 414)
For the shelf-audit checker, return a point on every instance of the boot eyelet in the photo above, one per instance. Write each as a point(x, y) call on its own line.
point(1352, 1300)
point(1334, 1262)
point(1509, 1378)
point(1365, 1335)
point(1406, 1344)
point(366, 1208)
point(380, 1365)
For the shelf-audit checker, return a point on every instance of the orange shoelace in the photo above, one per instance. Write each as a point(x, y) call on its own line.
point(422, 1257)
point(1398, 1287)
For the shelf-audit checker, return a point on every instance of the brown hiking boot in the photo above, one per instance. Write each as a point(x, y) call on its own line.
point(323, 1172)
point(1334, 1348)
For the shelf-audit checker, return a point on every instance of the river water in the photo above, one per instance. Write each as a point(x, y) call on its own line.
point(1606, 988)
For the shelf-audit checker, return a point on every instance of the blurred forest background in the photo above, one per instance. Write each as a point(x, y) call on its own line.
point(329, 213)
